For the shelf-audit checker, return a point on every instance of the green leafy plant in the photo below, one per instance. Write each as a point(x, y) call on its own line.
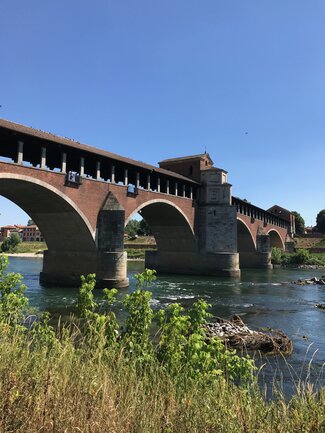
point(43, 334)
point(183, 346)
point(13, 302)
point(276, 256)
point(300, 257)
point(9, 244)
point(140, 315)
point(100, 321)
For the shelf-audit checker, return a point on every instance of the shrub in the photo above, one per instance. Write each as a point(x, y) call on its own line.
point(276, 256)
point(180, 345)
point(9, 244)
point(300, 257)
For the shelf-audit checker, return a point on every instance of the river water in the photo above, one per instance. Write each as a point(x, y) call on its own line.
point(263, 299)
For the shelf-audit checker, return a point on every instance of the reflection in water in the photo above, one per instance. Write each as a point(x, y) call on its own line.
point(262, 298)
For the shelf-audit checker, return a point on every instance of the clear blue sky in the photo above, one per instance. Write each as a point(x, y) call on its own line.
point(157, 79)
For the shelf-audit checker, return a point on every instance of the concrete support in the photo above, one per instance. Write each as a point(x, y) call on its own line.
point(176, 188)
point(82, 166)
point(98, 170)
point(259, 259)
point(289, 245)
point(113, 174)
point(43, 158)
point(158, 184)
point(191, 193)
point(65, 267)
point(255, 260)
point(193, 263)
point(20, 153)
point(167, 186)
point(137, 179)
point(216, 226)
point(148, 182)
point(64, 162)
point(126, 178)
point(184, 191)
point(111, 259)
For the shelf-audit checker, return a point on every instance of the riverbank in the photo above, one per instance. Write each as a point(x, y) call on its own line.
point(140, 258)
point(83, 379)
point(40, 256)
point(29, 255)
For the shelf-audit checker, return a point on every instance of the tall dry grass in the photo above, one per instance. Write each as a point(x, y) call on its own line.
point(71, 388)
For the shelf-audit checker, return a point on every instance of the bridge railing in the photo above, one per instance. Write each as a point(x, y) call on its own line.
point(256, 213)
point(35, 149)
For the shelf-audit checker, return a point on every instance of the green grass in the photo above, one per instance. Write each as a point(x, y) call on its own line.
point(142, 240)
point(135, 253)
point(30, 247)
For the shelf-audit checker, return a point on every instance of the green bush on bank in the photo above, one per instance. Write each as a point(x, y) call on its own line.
point(9, 245)
point(300, 257)
point(92, 376)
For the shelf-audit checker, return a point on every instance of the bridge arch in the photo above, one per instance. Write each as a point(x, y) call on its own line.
point(245, 238)
point(276, 239)
point(169, 225)
point(61, 222)
point(246, 244)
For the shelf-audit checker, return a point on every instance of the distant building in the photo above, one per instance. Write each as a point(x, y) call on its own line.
point(286, 215)
point(27, 233)
point(31, 234)
point(6, 231)
point(189, 166)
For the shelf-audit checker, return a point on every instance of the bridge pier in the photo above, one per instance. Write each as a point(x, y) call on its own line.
point(191, 263)
point(261, 258)
point(66, 267)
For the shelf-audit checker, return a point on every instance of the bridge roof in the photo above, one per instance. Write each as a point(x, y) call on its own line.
point(185, 158)
point(49, 137)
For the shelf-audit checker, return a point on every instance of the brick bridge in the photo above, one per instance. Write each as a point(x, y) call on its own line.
point(82, 197)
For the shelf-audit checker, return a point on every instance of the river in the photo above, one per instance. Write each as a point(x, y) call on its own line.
point(263, 299)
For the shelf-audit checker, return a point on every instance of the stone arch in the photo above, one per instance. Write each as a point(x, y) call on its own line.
point(245, 239)
point(169, 224)
point(276, 239)
point(63, 225)
point(246, 245)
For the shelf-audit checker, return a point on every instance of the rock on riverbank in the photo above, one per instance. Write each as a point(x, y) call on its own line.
point(237, 335)
point(320, 281)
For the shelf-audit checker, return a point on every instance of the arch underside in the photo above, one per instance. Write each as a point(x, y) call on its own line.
point(245, 242)
point(169, 226)
point(62, 226)
point(275, 240)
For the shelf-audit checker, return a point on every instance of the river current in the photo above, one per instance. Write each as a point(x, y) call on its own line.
point(262, 298)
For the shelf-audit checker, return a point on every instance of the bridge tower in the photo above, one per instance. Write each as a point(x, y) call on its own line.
point(215, 224)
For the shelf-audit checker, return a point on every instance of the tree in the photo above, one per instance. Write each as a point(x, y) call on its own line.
point(144, 229)
point(132, 228)
point(137, 228)
point(299, 222)
point(30, 222)
point(9, 244)
point(320, 221)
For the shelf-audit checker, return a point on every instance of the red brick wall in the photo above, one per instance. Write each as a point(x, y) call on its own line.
point(91, 195)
